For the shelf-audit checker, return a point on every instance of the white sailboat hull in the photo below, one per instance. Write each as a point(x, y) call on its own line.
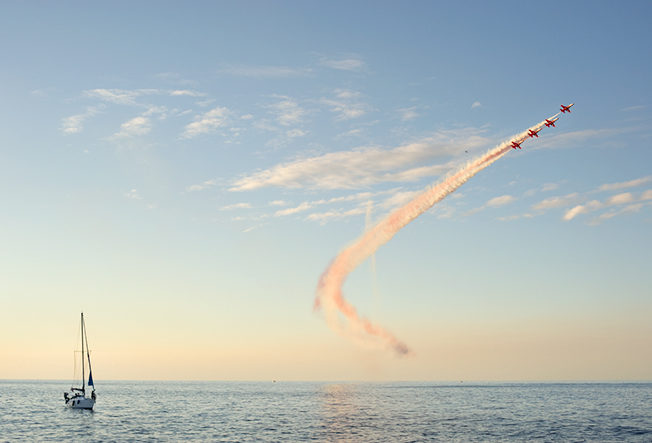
point(76, 398)
point(80, 402)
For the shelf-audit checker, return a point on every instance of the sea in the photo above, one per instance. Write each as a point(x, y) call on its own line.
point(152, 411)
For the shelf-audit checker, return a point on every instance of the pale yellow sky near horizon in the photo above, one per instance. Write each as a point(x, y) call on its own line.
point(592, 348)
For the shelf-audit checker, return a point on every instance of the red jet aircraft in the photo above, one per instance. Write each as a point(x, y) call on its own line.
point(566, 108)
point(516, 145)
point(533, 134)
point(550, 123)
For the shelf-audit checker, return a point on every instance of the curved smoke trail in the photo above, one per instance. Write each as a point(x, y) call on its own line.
point(329, 289)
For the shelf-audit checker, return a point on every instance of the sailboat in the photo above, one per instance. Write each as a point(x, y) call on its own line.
point(77, 398)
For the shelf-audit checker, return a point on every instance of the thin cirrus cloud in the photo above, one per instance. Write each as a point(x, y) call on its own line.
point(578, 204)
point(343, 64)
point(620, 199)
point(207, 122)
point(242, 205)
point(625, 198)
point(577, 199)
point(293, 133)
point(323, 217)
point(201, 186)
point(119, 96)
point(634, 108)
point(129, 96)
point(549, 187)
point(186, 92)
point(75, 123)
point(408, 114)
point(262, 71)
point(364, 166)
point(500, 201)
point(556, 202)
point(625, 185)
point(288, 112)
point(563, 140)
point(136, 126)
point(346, 104)
point(133, 194)
point(398, 198)
point(306, 205)
point(290, 211)
point(495, 202)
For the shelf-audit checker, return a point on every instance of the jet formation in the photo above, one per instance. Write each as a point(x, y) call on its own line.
point(566, 108)
point(549, 122)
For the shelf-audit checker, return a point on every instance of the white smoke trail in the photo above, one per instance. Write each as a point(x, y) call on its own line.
point(329, 289)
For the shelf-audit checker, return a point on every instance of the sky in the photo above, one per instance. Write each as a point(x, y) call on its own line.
point(184, 173)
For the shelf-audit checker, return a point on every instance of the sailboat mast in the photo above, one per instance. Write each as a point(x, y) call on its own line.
point(82, 353)
point(88, 356)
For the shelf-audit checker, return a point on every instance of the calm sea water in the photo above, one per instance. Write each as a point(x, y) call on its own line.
point(391, 412)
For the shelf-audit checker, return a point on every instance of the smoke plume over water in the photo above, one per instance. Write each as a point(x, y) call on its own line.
point(329, 290)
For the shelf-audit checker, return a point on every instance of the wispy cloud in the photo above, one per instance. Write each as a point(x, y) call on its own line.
point(201, 186)
point(556, 202)
point(207, 122)
point(343, 64)
point(289, 211)
point(129, 96)
point(323, 217)
point(134, 127)
point(364, 166)
point(175, 78)
point(75, 123)
point(626, 199)
point(625, 210)
point(119, 96)
point(306, 205)
point(582, 209)
point(546, 187)
point(186, 92)
point(408, 113)
point(577, 204)
point(133, 195)
point(564, 139)
point(253, 228)
point(287, 111)
point(351, 133)
point(549, 187)
point(263, 71)
point(346, 104)
point(236, 206)
point(619, 199)
point(348, 205)
point(476, 105)
point(293, 133)
point(500, 201)
point(634, 108)
point(398, 198)
point(495, 202)
point(627, 184)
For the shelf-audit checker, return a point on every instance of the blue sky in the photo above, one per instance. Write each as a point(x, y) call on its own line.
point(186, 172)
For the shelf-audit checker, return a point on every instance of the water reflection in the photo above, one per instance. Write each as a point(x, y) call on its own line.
point(345, 413)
